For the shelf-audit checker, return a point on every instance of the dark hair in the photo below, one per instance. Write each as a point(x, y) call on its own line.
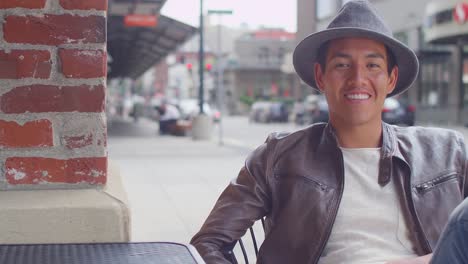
point(323, 50)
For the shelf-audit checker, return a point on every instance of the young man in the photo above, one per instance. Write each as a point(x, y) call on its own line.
point(355, 190)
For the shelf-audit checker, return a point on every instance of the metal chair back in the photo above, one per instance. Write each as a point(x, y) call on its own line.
point(230, 255)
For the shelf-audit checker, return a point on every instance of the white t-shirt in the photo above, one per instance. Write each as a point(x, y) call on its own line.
point(369, 227)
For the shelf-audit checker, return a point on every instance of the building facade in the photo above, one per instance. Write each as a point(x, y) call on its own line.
point(439, 91)
point(256, 69)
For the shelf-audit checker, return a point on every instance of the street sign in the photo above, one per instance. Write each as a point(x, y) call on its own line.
point(460, 13)
point(220, 12)
point(140, 21)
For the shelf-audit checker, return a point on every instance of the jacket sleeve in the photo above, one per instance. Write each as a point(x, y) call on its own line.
point(464, 163)
point(465, 174)
point(245, 200)
point(465, 187)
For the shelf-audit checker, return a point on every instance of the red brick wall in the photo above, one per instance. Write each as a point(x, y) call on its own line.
point(52, 93)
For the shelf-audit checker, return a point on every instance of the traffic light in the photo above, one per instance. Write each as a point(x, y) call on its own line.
point(189, 67)
point(208, 67)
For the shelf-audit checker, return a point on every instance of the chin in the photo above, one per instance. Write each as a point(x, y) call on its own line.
point(356, 120)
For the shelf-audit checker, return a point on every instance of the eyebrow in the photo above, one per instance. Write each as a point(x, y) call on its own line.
point(375, 55)
point(345, 55)
point(340, 55)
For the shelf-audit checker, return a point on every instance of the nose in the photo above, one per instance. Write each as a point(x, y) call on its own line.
point(357, 75)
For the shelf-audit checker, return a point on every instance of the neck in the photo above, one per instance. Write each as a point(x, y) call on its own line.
point(359, 136)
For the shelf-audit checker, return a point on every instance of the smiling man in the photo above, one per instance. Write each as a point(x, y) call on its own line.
point(353, 190)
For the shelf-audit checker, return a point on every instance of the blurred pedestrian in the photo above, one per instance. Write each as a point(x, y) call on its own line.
point(127, 107)
point(355, 189)
point(168, 117)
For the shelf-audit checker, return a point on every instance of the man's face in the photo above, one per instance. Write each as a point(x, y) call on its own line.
point(355, 81)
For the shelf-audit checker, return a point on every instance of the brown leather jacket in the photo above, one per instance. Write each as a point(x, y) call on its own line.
point(296, 181)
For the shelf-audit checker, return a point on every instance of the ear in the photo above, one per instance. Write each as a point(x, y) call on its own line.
point(318, 73)
point(392, 80)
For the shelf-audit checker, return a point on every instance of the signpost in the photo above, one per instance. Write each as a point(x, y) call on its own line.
point(201, 61)
point(219, 71)
point(202, 124)
point(220, 12)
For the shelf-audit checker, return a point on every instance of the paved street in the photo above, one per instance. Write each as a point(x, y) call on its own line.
point(238, 131)
point(173, 182)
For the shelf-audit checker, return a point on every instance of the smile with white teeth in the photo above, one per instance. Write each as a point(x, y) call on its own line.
point(357, 96)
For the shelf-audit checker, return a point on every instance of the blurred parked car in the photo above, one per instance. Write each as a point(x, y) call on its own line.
point(305, 111)
point(265, 112)
point(278, 112)
point(313, 110)
point(260, 112)
point(398, 112)
point(320, 113)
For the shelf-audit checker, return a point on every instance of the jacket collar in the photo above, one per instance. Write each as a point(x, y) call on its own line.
point(389, 141)
point(389, 149)
point(329, 139)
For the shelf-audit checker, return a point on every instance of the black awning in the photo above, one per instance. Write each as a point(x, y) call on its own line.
point(135, 49)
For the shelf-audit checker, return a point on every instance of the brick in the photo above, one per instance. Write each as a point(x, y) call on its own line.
point(54, 29)
point(33, 4)
point(35, 170)
point(32, 134)
point(19, 64)
point(73, 142)
point(84, 4)
point(83, 63)
point(48, 98)
point(103, 141)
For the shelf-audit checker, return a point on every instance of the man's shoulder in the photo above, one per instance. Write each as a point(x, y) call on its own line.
point(426, 133)
point(419, 131)
point(280, 142)
point(312, 131)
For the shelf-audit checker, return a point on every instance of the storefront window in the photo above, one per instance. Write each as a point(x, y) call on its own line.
point(434, 81)
point(465, 83)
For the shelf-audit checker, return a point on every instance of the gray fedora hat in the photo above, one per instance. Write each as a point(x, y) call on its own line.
point(356, 19)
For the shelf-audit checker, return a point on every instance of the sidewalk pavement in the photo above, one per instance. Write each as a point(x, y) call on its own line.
point(172, 182)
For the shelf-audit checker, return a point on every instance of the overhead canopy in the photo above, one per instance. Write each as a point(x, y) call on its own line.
point(144, 7)
point(133, 50)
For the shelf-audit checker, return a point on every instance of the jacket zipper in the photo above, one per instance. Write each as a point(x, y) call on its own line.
point(425, 243)
point(322, 186)
point(335, 211)
point(424, 187)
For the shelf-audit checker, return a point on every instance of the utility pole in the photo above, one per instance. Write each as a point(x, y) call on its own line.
point(201, 124)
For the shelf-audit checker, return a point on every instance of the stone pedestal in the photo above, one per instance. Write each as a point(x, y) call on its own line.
point(202, 127)
point(66, 216)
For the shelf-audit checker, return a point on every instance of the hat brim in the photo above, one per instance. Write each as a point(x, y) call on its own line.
point(305, 55)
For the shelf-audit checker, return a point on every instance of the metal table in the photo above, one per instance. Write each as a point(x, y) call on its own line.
point(100, 253)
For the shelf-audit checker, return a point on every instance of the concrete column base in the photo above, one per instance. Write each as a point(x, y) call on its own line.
point(66, 216)
point(202, 127)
